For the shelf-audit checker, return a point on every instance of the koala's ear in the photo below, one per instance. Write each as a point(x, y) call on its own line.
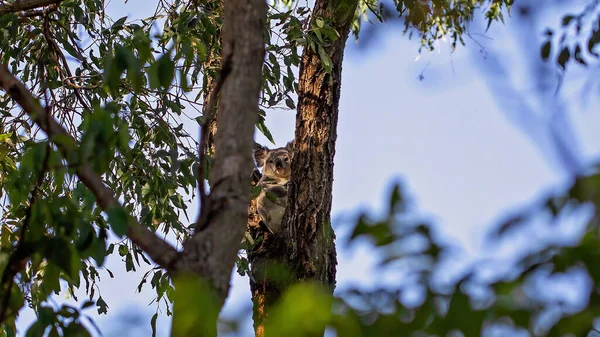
point(260, 153)
point(289, 146)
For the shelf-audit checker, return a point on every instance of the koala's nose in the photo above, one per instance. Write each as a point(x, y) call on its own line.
point(278, 163)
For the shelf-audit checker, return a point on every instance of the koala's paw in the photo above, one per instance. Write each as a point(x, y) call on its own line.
point(264, 227)
point(279, 191)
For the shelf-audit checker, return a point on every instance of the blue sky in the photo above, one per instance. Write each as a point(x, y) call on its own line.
point(450, 138)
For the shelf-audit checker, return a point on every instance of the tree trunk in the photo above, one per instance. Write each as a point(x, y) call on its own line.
point(306, 243)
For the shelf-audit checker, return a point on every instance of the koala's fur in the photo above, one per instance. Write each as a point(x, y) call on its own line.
point(276, 173)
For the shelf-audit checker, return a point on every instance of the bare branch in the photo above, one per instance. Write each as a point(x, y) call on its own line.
point(159, 250)
point(208, 117)
point(38, 12)
point(23, 5)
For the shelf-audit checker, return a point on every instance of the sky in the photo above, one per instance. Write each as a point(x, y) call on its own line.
point(451, 138)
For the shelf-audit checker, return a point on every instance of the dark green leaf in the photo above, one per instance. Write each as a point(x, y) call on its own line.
point(153, 324)
point(119, 23)
point(35, 330)
point(118, 219)
point(564, 57)
point(102, 306)
point(129, 263)
point(567, 19)
point(165, 70)
point(578, 57)
point(290, 103)
point(546, 48)
point(59, 252)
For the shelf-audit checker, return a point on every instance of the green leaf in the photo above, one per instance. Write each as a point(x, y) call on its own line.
point(185, 86)
point(118, 220)
point(142, 43)
point(35, 330)
point(101, 306)
point(153, 324)
point(60, 253)
point(54, 332)
point(546, 48)
point(177, 201)
point(51, 279)
point(123, 250)
point(325, 59)
point(290, 103)
point(320, 22)
point(265, 131)
point(123, 57)
point(564, 57)
point(396, 200)
point(380, 232)
point(162, 72)
point(256, 191)
point(155, 282)
point(462, 317)
point(99, 251)
point(87, 304)
point(195, 307)
point(567, 19)
point(85, 238)
point(129, 263)
point(118, 24)
point(297, 303)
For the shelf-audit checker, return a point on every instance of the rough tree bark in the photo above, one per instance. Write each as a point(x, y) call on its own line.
point(306, 244)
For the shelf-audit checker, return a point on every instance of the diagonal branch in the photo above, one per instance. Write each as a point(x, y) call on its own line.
point(23, 5)
point(159, 250)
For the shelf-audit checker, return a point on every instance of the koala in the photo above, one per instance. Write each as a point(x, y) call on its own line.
point(276, 173)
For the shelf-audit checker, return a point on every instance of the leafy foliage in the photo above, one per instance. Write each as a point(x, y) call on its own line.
point(566, 49)
point(432, 20)
point(124, 91)
point(473, 303)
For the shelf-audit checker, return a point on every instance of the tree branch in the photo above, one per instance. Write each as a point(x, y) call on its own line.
point(23, 5)
point(159, 250)
point(211, 252)
point(202, 221)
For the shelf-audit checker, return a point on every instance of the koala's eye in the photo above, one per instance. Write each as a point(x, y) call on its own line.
point(270, 161)
point(286, 159)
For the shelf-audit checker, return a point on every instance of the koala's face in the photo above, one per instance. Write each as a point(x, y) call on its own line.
point(276, 162)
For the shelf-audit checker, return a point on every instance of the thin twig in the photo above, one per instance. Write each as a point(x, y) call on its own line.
point(60, 56)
